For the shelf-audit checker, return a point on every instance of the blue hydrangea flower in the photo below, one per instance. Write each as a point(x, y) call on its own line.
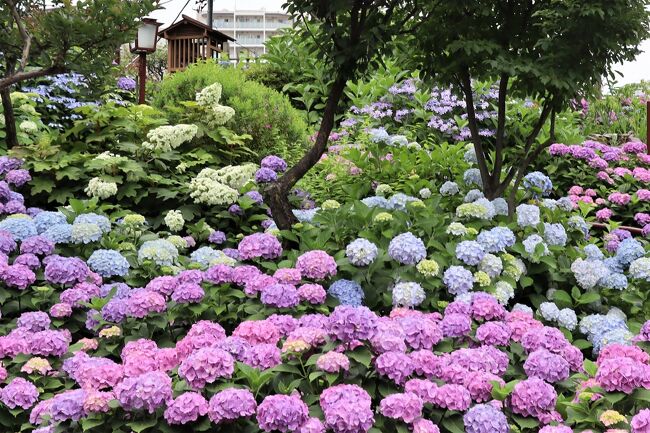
point(376, 201)
point(628, 251)
point(470, 156)
point(347, 292)
point(46, 219)
point(567, 318)
point(640, 269)
point(554, 234)
point(470, 252)
point(490, 210)
point(305, 216)
point(93, 218)
point(108, 263)
point(85, 233)
point(549, 311)
point(205, 256)
point(615, 336)
point(522, 307)
point(449, 188)
point(613, 265)
point(578, 223)
point(538, 184)
point(497, 239)
point(472, 176)
point(500, 206)
point(399, 201)
point(458, 280)
point(378, 134)
point(361, 252)
point(593, 252)
point(549, 203)
point(20, 227)
point(527, 215)
point(614, 281)
point(408, 294)
point(159, 251)
point(565, 204)
point(588, 272)
point(473, 195)
point(407, 249)
point(531, 242)
point(59, 233)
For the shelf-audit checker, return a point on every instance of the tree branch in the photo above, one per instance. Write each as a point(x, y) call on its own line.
point(466, 87)
point(22, 76)
point(501, 128)
point(26, 37)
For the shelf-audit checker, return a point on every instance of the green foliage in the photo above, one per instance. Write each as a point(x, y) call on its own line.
point(275, 126)
point(530, 48)
point(80, 36)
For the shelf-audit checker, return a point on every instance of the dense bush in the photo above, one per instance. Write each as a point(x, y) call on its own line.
point(265, 114)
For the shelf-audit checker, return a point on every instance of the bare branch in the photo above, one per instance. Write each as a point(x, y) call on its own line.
point(26, 37)
point(22, 76)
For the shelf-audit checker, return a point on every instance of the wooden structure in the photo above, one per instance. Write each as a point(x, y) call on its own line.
point(189, 41)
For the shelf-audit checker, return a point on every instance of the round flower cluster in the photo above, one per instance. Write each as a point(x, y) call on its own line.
point(361, 252)
point(316, 264)
point(347, 292)
point(407, 249)
point(159, 251)
point(174, 220)
point(101, 189)
point(259, 245)
point(408, 294)
point(108, 263)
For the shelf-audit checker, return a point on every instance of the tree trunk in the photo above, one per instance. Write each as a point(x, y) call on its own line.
point(277, 192)
point(11, 138)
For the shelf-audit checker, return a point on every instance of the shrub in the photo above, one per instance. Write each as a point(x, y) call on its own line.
point(265, 114)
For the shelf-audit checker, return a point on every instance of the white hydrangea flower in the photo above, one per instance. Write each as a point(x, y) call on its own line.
point(207, 190)
point(101, 189)
point(217, 114)
point(28, 127)
point(234, 176)
point(174, 220)
point(169, 137)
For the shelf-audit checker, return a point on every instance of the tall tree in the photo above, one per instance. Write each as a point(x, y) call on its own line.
point(349, 36)
point(39, 38)
point(547, 49)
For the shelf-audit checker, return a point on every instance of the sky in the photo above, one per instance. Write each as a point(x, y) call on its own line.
point(632, 71)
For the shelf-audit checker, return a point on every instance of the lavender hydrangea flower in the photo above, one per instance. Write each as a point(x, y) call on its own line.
point(470, 252)
point(19, 393)
point(147, 391)
point(406, 407)
point(407, 249)
point(284, 413)
point(458, 280)
point(231, 404)
point(361, 252)
point(187, 407)
point(485, 418)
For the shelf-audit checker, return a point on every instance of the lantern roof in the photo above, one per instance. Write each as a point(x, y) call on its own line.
point(189, 27)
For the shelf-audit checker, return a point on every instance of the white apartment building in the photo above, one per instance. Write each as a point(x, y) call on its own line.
point(250, 28)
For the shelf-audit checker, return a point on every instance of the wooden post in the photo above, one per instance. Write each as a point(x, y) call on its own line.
point(210, 8)
point(142, 76)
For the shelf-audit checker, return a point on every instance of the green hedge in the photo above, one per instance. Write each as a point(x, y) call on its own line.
point(264, 113)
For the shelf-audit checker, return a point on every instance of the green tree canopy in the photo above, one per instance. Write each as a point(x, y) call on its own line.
point(551, 50)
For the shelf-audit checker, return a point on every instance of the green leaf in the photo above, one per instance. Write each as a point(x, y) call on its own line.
point(454, 424)
point(362, 356)
point(139, 426)
point(589, 297)
point(525, 422)
point(641, 395)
